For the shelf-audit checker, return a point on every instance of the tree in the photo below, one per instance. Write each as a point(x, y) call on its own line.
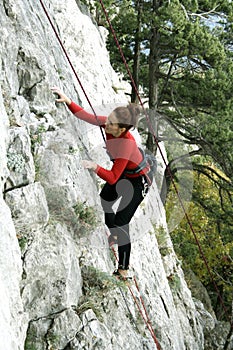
point(185, 69)
point(213, 226)
point(185, 63)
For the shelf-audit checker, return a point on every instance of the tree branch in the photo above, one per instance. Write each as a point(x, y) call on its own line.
point(201, 15)
point(201, 169)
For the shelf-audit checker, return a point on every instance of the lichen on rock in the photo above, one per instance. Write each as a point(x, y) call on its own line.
point(54, 248)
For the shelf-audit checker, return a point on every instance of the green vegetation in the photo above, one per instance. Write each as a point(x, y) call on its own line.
point(85, 214)
point(86, 304)
point(52, 339)
point(38, 172)
point(211, 218)
point(36, 138)
point(60, 74)
point(95, 281)
point(30, 339)
point(81, 217)
point(180, 53)
point(96, 284)
point(162, 239)
point(174, 282)
point(23, 240)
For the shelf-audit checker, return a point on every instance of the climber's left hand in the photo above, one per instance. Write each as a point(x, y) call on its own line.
point(88, 164)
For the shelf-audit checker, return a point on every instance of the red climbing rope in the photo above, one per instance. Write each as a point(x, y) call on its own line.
point(152, 132)
point(151, 129)
point(146, 319)
point(144, 315)
point(70, 63)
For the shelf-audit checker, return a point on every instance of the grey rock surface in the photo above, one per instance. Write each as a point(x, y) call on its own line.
point(56, 287)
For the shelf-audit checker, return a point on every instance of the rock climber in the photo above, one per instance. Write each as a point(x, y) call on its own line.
point(128, 179)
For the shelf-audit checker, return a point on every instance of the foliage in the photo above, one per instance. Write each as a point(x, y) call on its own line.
point(212, 225)
point(53, 339)
point(86, 214)
point(186, 74)
point(96, 284)
point(185, 69)
point(38, 172)
point(36, 138)
point(174, 282)
point(22, 242)
point(162, 239)
point(81, 218)
point(31, 339)
point(95, 280)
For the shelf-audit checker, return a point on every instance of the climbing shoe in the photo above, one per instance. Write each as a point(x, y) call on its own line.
point(120, 277)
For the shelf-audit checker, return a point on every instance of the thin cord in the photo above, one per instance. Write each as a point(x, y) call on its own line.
point(164, 160)
point(150, 128)
point(145, 317)
point(71, 65)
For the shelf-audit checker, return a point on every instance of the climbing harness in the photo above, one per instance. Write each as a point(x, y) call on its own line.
point(151, 129)
point(145, 314)
point(146, 184)
point(145, 317)
point(148, 161)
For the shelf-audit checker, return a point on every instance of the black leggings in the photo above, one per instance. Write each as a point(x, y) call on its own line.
point(129, 193)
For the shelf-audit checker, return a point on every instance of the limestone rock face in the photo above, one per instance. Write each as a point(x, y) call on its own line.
point(55, 256)
point(56, 287)
point(13, 319)
point(19, 159)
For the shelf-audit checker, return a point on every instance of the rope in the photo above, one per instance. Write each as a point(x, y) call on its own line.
point(150, 128)
point(71, 65)
point(147, 321)
point(128, 309)
point(164, 160)
point(145, 317)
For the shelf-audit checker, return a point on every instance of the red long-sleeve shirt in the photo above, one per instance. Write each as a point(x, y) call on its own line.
point(123, 149)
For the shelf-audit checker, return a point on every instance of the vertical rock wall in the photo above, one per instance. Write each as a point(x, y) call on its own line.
point(56, 287)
